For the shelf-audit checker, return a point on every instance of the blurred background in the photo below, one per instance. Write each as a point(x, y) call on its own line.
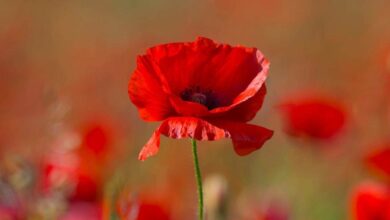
point(69, 135)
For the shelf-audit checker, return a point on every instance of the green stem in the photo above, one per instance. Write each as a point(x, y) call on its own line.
point(198, 179)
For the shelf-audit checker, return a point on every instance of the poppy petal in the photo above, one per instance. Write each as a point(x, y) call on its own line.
point(182, 127)
point(151, 147)
point(246, 137)
point(146, 93)
point(188, 108)
point(246, 111)
point(232, 74)
point(252, 89)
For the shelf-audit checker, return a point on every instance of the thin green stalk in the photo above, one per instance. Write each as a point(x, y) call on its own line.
point(198, 177)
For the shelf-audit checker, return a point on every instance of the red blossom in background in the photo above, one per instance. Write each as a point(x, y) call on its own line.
point(137, 208)
point(79, 162)
point(370, 201)
point(315, 117)
point(266, 207)
point(274, 212)
point(60, 173)
point(379, 160)
point(9, 213)
point(201, 90)
point(83, 211)
point(96, 139)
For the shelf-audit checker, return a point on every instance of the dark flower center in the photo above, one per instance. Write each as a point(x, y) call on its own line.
point(198, 95)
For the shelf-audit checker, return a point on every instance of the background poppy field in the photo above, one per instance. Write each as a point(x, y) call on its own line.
point(69, 135)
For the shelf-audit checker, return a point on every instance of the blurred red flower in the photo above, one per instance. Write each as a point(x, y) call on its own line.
point(80, 161)
point(96, 139)
point(265, 207)
point(274, 212)
point(83, 211)
point(83, 183)
point(142, 209)
point(370, 201)
point(202, 90)
point(315, 117)
point(87, 188)
point(380, 160)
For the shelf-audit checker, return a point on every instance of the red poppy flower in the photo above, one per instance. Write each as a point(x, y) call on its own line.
point(370, 201)
point(201, 90)
point(317, 118)
point(380, 160)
